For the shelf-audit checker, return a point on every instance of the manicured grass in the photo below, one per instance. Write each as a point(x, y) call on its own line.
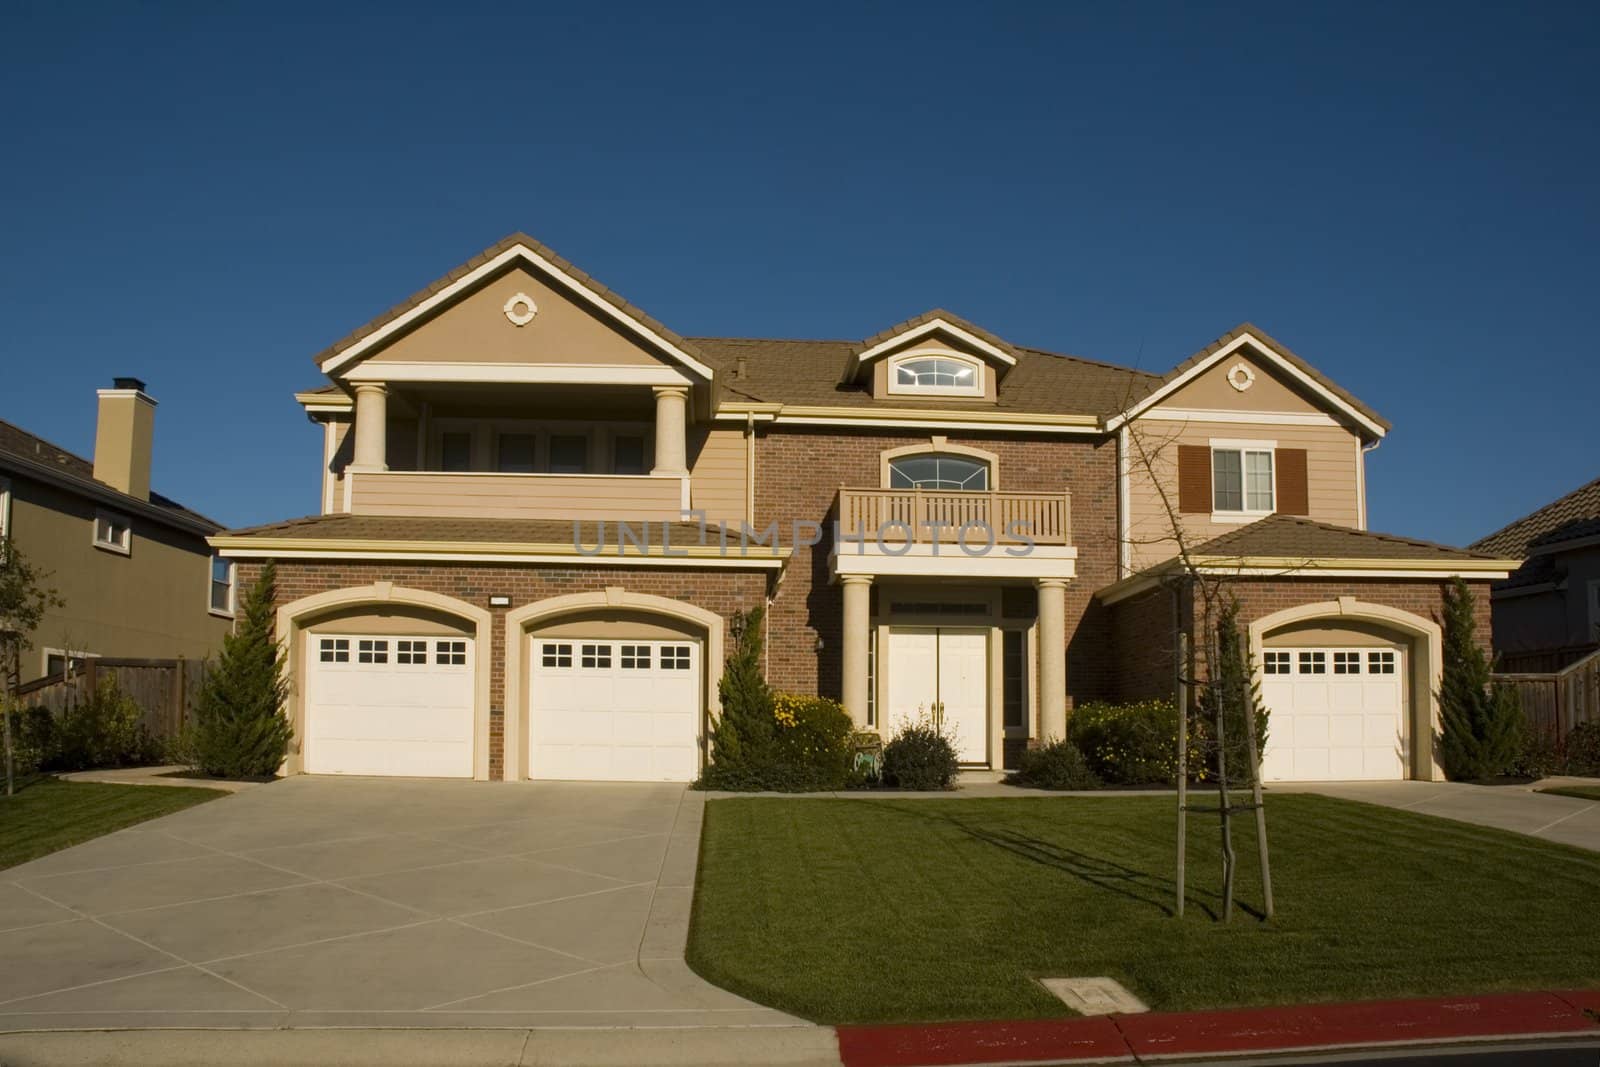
point(52, 814)
point(881, 910)
point(1582, 792)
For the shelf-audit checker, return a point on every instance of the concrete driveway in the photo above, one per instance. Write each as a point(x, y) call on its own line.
point(366, 902)
point(1569, 820)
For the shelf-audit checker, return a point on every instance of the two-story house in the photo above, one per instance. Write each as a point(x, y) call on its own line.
point(132, 568)
point(542, 511)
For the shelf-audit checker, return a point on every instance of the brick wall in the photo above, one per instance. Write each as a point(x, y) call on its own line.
point(722, 591)
point(799, 473)
point(1144, 640)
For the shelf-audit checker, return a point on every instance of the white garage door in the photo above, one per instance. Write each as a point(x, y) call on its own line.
point(626, 711)
point(389, 705)
point(1337, 714)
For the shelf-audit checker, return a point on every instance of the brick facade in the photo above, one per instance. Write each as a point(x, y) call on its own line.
point(801, 474)
point(1144, 627)
point(722, 591)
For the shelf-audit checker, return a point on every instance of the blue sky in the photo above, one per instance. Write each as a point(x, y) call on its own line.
point(206, 195)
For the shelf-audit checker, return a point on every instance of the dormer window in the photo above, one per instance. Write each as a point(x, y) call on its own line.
point(936, 375)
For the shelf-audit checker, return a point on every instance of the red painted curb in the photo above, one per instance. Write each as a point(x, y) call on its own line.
point(1375, 1022)
point(951, 1043)
point(1241, 1030)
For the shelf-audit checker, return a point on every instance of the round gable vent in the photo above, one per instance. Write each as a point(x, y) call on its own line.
point(1241, 377)
point(521, 309)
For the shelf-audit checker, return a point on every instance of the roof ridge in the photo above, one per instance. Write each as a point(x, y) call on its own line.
point(1037, 351)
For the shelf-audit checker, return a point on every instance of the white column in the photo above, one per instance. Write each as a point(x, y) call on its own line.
point(857, 632)
point(372, 418)
point(1052, 659)
point(672, 450)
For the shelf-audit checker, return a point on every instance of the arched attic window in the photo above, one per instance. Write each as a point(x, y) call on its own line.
point(935, 374)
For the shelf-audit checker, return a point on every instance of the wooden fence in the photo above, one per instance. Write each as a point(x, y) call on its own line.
point(1555, 703)
point(1544, 661)
point(164, 688)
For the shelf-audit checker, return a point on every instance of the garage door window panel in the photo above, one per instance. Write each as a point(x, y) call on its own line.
point(334, 650)
point(554, 655)
point(635, 657)
point(372, 652)
point(596, 657)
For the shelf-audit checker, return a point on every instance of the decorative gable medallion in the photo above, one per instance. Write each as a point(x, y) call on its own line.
point(1241, 377)
point(520, 309)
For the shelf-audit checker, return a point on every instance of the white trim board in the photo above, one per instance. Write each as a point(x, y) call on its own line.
point(518, 373)
point(1262, 418)
point(923, 329)
point(487, 270)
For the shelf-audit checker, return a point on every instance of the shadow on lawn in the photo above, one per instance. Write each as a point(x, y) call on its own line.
point(1142, 887)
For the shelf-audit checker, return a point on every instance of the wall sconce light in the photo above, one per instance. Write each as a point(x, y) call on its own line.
point(820, 643)
point(499, 600)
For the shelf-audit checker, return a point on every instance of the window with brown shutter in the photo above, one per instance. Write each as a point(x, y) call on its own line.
point(1194, 479)
point(1293, 493)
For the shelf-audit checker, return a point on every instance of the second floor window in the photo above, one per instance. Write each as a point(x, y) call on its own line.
point(516, 453)
point(935, 471)
point(1241, 479)
point(455, 451)
point(943, 375)
point(627, 455)
point(569, 453)
point(221, 585)
point(113, 531)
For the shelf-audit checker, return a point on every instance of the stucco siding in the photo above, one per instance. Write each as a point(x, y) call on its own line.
point(150, 603)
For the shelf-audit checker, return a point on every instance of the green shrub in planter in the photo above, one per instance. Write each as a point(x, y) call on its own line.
point(1583, 749)
point(920, 757)
point(1131, 744)
point(812, 740)
point(1057, 765)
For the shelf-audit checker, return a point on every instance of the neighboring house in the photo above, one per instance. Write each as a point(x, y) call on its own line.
point(133, 568)
point(1547, 614)
point(444, 617)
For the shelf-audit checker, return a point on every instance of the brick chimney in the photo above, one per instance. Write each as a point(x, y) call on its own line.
point(124, 436)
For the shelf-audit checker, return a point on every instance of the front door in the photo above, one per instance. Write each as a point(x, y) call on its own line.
point(942, 674)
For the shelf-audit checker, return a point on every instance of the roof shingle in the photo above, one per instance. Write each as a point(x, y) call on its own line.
point(1575, 515)
point(1291, 537)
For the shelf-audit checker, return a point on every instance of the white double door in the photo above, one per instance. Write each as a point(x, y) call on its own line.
point(941, 673)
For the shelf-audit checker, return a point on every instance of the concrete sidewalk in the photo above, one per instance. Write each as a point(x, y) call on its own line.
point(1569, 820)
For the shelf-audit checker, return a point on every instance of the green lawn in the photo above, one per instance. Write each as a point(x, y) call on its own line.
point(882, 910)
point(1582, 792)
point(52, 814)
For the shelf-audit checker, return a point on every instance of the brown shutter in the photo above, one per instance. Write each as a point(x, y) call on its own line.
point(1194, 479)
point(1293, 494)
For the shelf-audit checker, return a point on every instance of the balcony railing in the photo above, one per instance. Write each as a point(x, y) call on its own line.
point(886, 513)
point(493, 495)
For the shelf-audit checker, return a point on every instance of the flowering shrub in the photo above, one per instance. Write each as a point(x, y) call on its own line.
point(1057, 765)
point(1133, 744)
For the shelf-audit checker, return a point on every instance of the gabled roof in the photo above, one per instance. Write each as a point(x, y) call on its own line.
point(1292, 537)
point(1246, 333)
point(933, 320)
point(38, 457)
point(508, 249)
point(1575, 515)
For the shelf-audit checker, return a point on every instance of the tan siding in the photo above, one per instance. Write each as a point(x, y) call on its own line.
point(718, 474)
point(1271, 391)
point(1330, 479)
point(476, 330)
point(518, 496)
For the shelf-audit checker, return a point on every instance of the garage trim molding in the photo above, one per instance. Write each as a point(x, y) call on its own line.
point(1423, 765)
point(617, 598)
point(290, 631)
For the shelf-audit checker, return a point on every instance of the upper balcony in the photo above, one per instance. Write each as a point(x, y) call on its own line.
point(516, 452)
point(925, 516)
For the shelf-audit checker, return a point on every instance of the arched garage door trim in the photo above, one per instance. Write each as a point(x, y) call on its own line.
point(296, 615)
point(1428, 661)
point(521, 620)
